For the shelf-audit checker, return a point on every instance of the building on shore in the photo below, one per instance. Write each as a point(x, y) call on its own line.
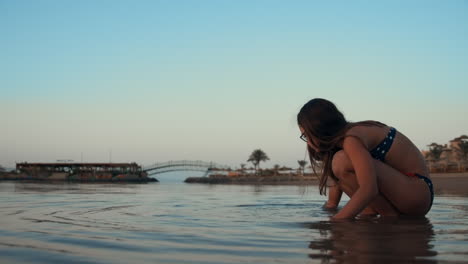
point(85, 172)
point(451, 159)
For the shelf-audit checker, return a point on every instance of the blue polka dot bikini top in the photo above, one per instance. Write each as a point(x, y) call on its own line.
point(381, 150)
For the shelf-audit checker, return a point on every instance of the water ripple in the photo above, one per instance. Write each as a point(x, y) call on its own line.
point(178, 223)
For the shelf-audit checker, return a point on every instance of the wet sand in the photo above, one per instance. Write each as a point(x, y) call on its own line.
point(450, 183)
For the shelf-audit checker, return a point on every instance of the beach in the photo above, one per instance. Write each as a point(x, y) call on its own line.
point(450, 183)
point(444, 183)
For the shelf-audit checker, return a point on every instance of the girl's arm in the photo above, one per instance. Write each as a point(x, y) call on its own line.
point(365, 175)
point(334, 197)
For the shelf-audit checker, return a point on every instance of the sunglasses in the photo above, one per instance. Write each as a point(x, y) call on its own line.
point(304, 137)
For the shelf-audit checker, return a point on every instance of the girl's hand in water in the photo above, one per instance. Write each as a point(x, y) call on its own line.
point(340, 220)
point(329, 206)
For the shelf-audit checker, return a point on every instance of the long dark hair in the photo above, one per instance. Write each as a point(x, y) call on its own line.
point(323, 122)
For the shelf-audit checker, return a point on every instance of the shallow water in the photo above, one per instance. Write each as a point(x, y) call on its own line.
point(182, 223)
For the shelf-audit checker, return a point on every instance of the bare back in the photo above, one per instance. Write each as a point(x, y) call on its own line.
point(403, 155)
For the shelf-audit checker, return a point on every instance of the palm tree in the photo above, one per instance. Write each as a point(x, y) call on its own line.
point(276, 168)
point(462, 148)
point(256, 157)
point(302, 164)
point(242, 168)
point(435, 150)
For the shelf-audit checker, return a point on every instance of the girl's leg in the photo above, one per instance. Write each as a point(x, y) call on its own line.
point(398, 193)
point(343, 169)
point(348, 184)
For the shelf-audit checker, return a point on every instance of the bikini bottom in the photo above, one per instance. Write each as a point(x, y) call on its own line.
point(427, 181)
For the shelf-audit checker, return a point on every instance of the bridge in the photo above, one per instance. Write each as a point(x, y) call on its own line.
point(184, 165)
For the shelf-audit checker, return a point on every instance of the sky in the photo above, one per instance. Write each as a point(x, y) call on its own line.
point(153, 81)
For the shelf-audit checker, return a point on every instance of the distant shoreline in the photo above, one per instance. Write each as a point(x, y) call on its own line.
point(449, 175)
point(78, 172)
point(444, 183)
point(129, 178)
point(280, 179)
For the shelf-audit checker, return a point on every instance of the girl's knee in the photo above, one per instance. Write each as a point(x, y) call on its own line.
point(341, 164)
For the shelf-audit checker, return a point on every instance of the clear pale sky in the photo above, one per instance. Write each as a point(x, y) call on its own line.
point(213, 80)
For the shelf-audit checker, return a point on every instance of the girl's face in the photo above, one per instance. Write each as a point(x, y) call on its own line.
point(311, 142)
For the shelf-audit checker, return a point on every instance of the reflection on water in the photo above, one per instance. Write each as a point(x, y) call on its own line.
point(51, 187)
point(182, 223)
point(374, 241)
